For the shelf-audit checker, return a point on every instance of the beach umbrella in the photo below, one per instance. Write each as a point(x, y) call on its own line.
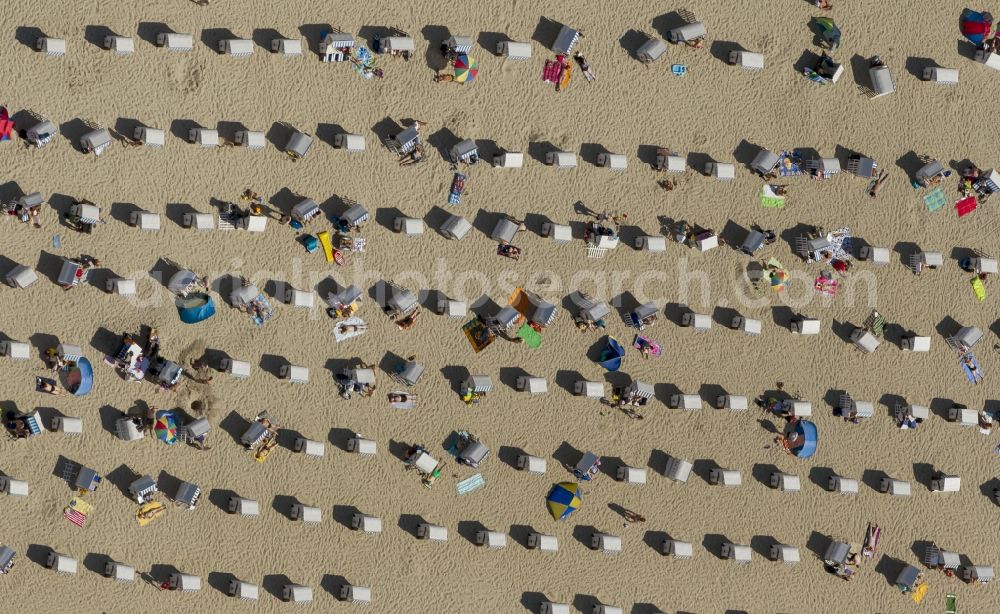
point(611, 356)
point(564, 499)
point(975, 26)
point(829, 31)
point(165, 427)
point(80, 379)
point(779, 279)
point(6, 124)
point(466, 68)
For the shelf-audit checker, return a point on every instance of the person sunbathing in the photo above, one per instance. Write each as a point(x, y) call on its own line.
point(409, 321)
point(43, 385)
point(697, 43)
point(351, 328)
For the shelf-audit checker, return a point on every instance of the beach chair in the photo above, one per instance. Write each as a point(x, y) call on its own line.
point(678, 469)
point(303, 299)
point(408, 373)
point(688, 32)
point(61, 563)
point(173, 41)
point(287, 46)
point(679, 550)
point(764, 162)
point(184, 582)
point(978, 573)
point(732, 402)
point(239, 369)
point(565, 40)
point(236, 47)
point(296, 593)
point(915, 343)
point(603, 608)
point(534, 465)
point(198, 221)
point(897, 488)
point(67, 425)
point(615, 162)
point(533, 385)
point(508, 159)
point(963, 415)
point(589, 389)
point(631, 475)
point(549, 607)
point(294, 374)
point(542, 543)
point(945, 483)
point(784, 553)
point(706, 240)
point(876, 255)
point(353, 143)
point(151, 137)
point(862, 166)
point(120, 45)
point(305, 513)
point(309, 447)
point(408, 226)
point(365, 523)
point(670, 161)
point(942, 76)
point(145, 220)
point(654, 244)
point(119, 571)
point(355, 594)
point(805, 326)
point(52, 47)
point(747, 60)
point(749, 326)
point(298, 145)
point(464, 151)
point(127, 430)
point(651, 50)
point(21, 276)
point(988, 58)
point(251, 139)
point(455, 227)
point(785, 482)
point(513, 50)
point(605, 542)
point(243, 507)
point(432, 532)
point(121, 286)
point(455, 310)
point(203, 137)
point(95, 141)
point(721, 171)
point(739, 553)
point(561, 159)
point(700, 322)
point(42, 133)
point(187, 495)
point(864, 340)
point(15, 350)
point(689, 402)
point(729, 478)
point(494, 540)
point(881, 79)
point(936, 558)
point(13, 486)
point(393, 45)
point(361, 445)
point(245, 591)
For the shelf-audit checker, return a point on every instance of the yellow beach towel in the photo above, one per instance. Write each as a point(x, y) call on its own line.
point(979, 289)
point(919, 592)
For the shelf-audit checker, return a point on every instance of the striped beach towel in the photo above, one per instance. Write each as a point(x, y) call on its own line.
point(470, 484)
point(77, 511)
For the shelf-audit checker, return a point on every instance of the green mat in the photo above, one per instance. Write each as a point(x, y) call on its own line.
point(935, 199)
point(949, 604)
point(531, 337)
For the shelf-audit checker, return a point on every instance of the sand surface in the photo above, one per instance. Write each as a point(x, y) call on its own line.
point(717, 111)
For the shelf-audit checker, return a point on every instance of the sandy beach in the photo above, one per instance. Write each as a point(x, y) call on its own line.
point(715, 112)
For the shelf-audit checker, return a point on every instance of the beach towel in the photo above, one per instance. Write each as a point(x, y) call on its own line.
point(935, 199)
point(457, 187)
point(770, 200)
point(550, 74)
point(641, 342)
point(826, 286)
point(77, 511)
point(975, 375)
point(564, 78)
point(531, 337)
point(966, 206)
point(920, 592)
point(148, 512)
point(979, 289)
point(950, 605)
point(478, 334)
point(344, 336)
point(364, 62)
point(470, 484)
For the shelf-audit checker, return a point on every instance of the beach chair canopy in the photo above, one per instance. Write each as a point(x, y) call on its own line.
point(145, 220)
point(86, 479)
point(786, 482)
point(678, 549)
point(946, 483)
point(355, 214)
point(42, 132)
point(61, 563)
point(764, 162)
point(68, 425)
point(968, 336)
point(785, 553)
point(639, 388)
point(309, 447)
point(455, 227)
point(345, 296)
point(15, 350)
point(306, 210)
point(544, 543)
point(730, 478)
point(565, 40)
point(21, 276)
point(199, 221)
point(877, 255)
point(356, 594)
point(31, 200)
point(294, 373)
point(686, 401)
point(651, 50)
point(806, 326)
point(366, 523)
point(504, 230)
point(121, 45)
point(847, 486)
point(398, 43)
point(360, 445)
point(297, 593)
point(183, 280)
point(187, 494)
point(606, 542)
point(750, 326)
point(514, 50)
point(298, 145)
point(411, 373)
point(882, 82)
point(142, 488)
point(560, 233)
point(339, 40)
point(306, 513)
point(747, 60)
point(151, 137)
point(737, 552)
point(127, 429)
point(174, 41)
point(406, 140)
point(350, 142)
point(984, 265)
point(245, 591)
point(185, 582)
point(236, 47)
point(561, 159)
point(478, 383)
point(465, 151)
point(473, 454)
point(287, 46)
point(688, 32)
point(632, 475)
point(13, 486)
point(95, 141)
point(534, 385)
point(492, 539)
point(865, 340)
point(837, 552)
point(929, 171)
point(982, 573)
point(916, 343)
point(988, 58)
point(425, 463)
point(674, 164)
point(204, 137)
point(532, 464)
point(589, 389)
point(907, 577)
point(698, 321)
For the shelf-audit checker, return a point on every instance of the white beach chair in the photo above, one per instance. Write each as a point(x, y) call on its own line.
point(690, 402)
point(729, 478)
point(309, 447)
point(805, 326)
point(631, 475)
point(605, 542)
point(356, 594)
point(535, 465)
point(244, 591)
point(244, 507)
point(354, 143)
point(513, 50)
point(543, 543)
point(785, 482)
point(494, 540)
point(362, 446)
point(432, 532)
point(239, 369)
point(306, 513)
point(736, 552)
point(680, 550)
point(294, 374)
point(119, 572)
point(678, 469)
point(15, 350)
point(898, 488)
point(786, 554)
point(946, 483)
point(365, 523)
point(296, 593)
